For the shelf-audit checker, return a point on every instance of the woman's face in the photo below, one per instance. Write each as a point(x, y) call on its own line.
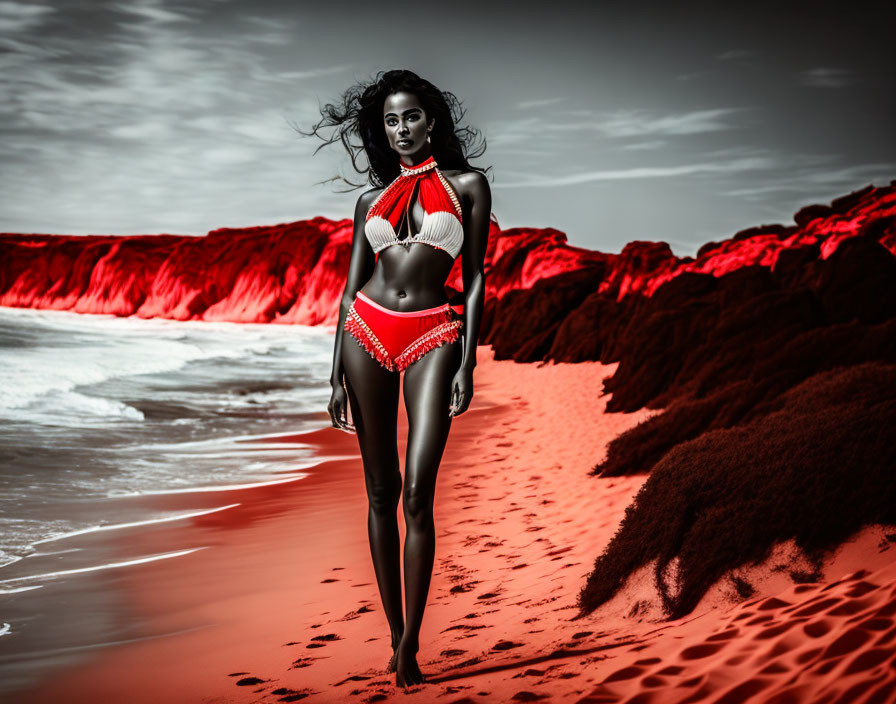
point(405, 124)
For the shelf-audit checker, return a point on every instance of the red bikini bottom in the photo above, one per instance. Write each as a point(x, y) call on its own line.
point(396, 338)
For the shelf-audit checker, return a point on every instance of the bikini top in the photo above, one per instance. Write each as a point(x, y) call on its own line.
point(442, 225)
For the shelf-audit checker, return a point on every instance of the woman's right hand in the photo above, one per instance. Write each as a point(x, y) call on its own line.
point(338, 409)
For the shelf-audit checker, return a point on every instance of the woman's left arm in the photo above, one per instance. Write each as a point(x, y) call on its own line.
point(476, 227)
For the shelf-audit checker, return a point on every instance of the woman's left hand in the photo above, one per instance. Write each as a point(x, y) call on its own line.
point(461, 391)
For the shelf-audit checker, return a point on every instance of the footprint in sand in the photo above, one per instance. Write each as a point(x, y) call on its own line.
point(876, 623)
point(848, 608)
point(506, 645)
point(653, 681)
point(302, 662)
point(772, 603)
point(774, 668)
point(704, 650)
point(852, 640)
point(327, 637)
point(488, 595)
point(818, 628)
point(724, 635)
point(351, 615)
point(671, 670)
point(452, 653)
point(292, 695)
point(868, 660)
point(468, 663)
point(248, 681)
point(525, 696)
point(455, 689)
point(464, 627)
point(815, 605)
point(760, 619)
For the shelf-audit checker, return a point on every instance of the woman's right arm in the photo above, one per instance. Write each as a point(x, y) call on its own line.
point(360, 269)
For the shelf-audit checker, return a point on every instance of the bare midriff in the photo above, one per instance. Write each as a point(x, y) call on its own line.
point(410, 277)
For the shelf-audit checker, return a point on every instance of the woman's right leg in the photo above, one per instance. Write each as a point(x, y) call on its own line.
point(373, 397)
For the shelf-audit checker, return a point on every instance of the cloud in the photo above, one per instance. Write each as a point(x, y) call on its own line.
point(860, 172)
point(826, 77)
point(622, 124)
point(813, 181)
point(641, 172)
point(527, 104)
point(274, 32)
point(151, 11)
point(638, 146)
point(521, 131)
point(638, 123)
point(20, 16)
point(310, 73)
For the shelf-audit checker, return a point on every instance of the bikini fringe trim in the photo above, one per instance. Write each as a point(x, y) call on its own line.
point(438, 336)
point(359, 330)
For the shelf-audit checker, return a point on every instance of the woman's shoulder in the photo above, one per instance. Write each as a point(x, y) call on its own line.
point(468, 183)
point(365, 200)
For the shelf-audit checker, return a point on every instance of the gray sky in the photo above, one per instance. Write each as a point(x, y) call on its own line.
point(682, 123)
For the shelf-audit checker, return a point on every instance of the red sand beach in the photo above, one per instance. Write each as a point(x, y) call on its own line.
point(282, 605)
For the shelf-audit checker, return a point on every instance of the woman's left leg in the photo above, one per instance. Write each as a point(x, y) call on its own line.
point(427, 397)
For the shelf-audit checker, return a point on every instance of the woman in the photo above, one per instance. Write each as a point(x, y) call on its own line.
point(428, 207)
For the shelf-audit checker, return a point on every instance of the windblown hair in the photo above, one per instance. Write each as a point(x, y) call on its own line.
point(359, 113)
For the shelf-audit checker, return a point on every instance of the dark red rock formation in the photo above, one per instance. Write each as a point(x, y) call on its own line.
point(294, 273)
point(283, 273)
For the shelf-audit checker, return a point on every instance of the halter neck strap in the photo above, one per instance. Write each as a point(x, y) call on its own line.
point(425, 165)
point(434, 191)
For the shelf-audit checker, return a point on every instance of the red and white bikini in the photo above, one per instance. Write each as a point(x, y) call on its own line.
point(396, 339)
point(442, 225)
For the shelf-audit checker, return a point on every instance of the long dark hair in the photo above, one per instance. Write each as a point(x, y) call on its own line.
point(360, 112)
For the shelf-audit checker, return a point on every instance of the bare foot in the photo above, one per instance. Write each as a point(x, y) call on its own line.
point(407, 672)
point(395, 643)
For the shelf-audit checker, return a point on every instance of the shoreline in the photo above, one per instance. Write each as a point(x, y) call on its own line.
point(280, 603)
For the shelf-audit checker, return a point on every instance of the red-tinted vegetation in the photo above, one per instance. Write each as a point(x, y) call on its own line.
point(816, 465)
